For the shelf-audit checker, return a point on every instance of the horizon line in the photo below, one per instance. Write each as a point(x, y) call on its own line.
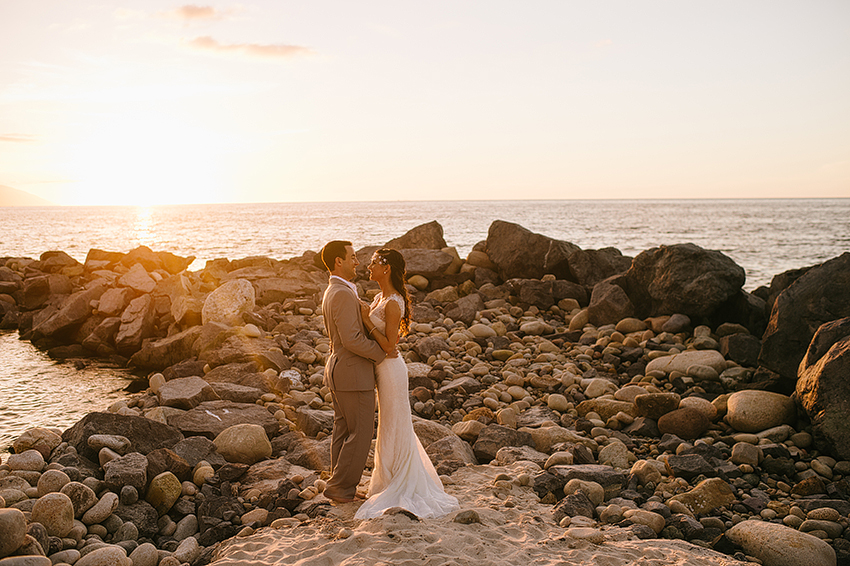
point(601, 199)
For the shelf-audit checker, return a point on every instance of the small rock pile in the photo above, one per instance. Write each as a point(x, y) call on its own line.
point(638, 399)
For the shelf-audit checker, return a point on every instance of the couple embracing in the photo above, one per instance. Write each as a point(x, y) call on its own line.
point(363, 354)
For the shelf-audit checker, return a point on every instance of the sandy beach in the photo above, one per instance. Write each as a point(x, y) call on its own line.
point(514, 530)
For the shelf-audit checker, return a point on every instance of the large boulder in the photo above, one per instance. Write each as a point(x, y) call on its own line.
point(682, 278)
point(114, 301)
point(589, 267)
point(101, 340)
point(425, 236)
point(823, 388)
point(465, 308)
point(229, 302)
point(820, 295)
point(35, 291)
point(296, 283)
point(518, 252)
point(185, 393)
point(145, 435)
point(244, 374)
point(210, 418)
point(137, 279)
point(74, 311)
point(160, 354)
point(55, 261)
point(426, 262)
point(238, 348)
point(609, 304)
point(37, 438)
point(137, 323)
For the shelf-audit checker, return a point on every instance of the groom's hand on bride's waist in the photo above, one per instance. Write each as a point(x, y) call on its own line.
point(393, 354)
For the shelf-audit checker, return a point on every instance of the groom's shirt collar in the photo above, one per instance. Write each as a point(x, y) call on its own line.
point(347, 282)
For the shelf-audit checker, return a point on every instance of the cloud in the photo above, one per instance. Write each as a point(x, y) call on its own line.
point(17, 138)
point(604, 43)
point(193, 12)
point(207, 43)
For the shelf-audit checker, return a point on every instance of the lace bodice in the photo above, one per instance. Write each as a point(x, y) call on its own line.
point(378, 309)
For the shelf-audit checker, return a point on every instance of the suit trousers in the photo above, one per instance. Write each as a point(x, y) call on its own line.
point(354, 426)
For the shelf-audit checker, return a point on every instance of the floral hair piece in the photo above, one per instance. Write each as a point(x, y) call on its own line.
point(381, 259)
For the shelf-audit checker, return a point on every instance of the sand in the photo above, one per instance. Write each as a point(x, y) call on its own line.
point(514, 530)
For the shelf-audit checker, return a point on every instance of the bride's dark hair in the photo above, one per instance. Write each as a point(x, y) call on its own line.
point(398, 277)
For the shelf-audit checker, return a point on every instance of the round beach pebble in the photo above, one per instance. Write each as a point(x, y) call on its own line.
point(703, 373)
point(29, 460)
point(52, 481)
point(13, 529)
point(745, 453)
point(700, 404)
point(243, 443)
point(29, 560)
point(648, 471)
point(643, 517)
point(686, 423)
point(779, 545)
point(629, 393)
point(558, 402)
point(629, 325)
point(69, 556)
point(481, 331)
point(594, 492)
point(102, 509)
point(824, 514)
point(110, 555)
point(82, 497)
point(599, 386)
point(164, 491)
point(146, 554)
point(656, 405)
point(753, 410)
point(56, 512)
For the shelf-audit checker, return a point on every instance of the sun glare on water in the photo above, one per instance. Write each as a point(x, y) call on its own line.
point(144, 161)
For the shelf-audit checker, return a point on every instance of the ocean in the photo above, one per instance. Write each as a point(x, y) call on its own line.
point(764, 236)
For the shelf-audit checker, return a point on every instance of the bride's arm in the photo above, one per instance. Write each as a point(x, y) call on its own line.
point(393, 318)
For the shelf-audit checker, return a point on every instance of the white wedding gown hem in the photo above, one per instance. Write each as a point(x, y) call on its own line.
point(403, 475)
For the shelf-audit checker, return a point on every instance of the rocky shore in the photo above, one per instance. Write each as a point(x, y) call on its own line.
point(622, 403)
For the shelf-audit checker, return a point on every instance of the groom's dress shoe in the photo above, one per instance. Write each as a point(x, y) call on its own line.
point(339, 499)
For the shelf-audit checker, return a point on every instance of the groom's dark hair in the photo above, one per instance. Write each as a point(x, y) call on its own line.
point(333, 250)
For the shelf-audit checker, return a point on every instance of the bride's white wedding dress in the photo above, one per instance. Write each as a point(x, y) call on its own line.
point(403, 475)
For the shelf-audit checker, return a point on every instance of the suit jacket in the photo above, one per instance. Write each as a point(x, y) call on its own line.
point(351, 364)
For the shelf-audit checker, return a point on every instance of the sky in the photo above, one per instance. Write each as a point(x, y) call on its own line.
point(160, 102)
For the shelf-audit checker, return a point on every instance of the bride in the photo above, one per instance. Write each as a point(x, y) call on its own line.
point(403, 475)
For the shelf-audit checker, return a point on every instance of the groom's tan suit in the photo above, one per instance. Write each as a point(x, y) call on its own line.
point(350, 375)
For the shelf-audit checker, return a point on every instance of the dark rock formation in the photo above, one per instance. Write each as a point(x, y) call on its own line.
point(824, 388)
point(820, 295)
point(521, 253)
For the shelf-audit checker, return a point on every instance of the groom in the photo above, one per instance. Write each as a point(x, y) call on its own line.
point(349, 373)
